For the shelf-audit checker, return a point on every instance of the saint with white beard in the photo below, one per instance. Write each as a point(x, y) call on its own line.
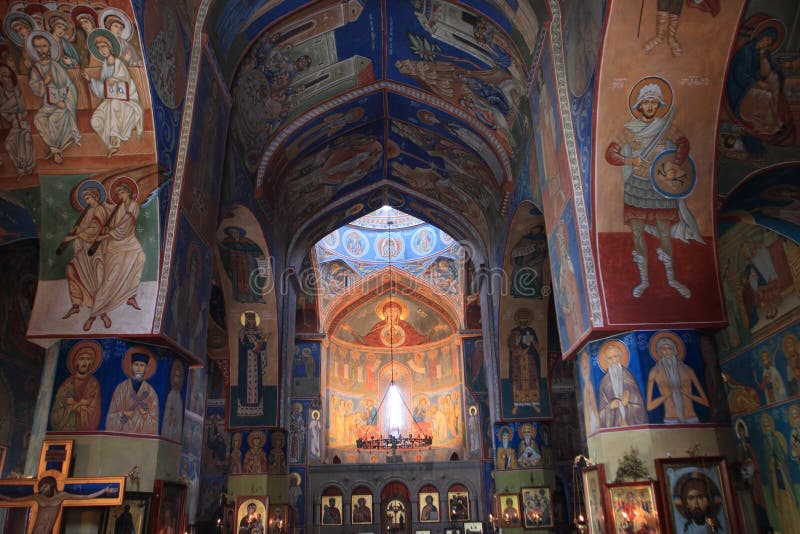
point(620, 398)
point(678, 385)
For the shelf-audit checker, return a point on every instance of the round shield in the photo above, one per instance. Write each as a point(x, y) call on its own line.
point(670, 179)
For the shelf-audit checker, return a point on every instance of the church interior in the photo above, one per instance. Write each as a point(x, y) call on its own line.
point(408, 266)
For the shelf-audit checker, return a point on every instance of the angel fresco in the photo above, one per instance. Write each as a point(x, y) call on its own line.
point(106, 268)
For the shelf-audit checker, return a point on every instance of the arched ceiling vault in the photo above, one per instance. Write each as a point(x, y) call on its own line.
point(332, 97)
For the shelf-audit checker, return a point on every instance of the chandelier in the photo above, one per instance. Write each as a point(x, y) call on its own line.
point(393, 440)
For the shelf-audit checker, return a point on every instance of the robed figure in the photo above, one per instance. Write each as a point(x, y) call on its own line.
point(252, 363)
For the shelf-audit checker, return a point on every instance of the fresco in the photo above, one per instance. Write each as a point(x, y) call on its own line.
point(307, 306)
point(758, 123)
point(258, 452)
point(474, 370)
point(517, 446)
point(297, 494)
point(97, 380)
point(653, 202)
point(626, 381)
point(253, 393)
point(204, 159)
point(16, 222)
point(109, 220)
point(770, 198)
point(167, 34)
point(568, 287)
point(523, 365)
point(297, 57)
point(306, 370)
point(760, 281)
point(302, 433)
point(430, 383)
point(415, 323)
point(189, 292)
point(78, 93)
point(20, 360)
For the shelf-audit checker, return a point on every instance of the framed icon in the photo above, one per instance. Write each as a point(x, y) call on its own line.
point(537, 506)
point(634, 505)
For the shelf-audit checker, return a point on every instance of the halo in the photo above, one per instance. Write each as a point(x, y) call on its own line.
point(527, 425)
point(384, 302)
point(740, 422)
point(473, 409)
point(175, 364)
point(794, 408)
point(505, 428)
point(123, 180)
point(716, 500)
point(77, 193)
point(152, 365)
point(33, 9)
point(258, 433)
point(679, 346)
point(258, 317)
point(55, 49)
point(775, 24)
point(601, 354)
point(55, 14)
point(77, 11)
point(85, 346)
point(296, 477)
point(788, 337)
point(666, 91)
point(98, 32)
point(11, 33)
point(315, 415)
point(127, 31)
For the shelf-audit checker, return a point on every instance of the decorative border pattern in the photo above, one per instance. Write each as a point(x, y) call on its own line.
point(180, 166)
point(560, 68)
point(383, 85)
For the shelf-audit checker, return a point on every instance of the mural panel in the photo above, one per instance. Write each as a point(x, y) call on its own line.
point(523, 367)
point(306, 368)
point(758, 123)
point(517, 446)
point(78, 91)
point(760, 280)
point(653, 197)
point(116, 386)
point(644, 378)
point(99, 270)
point(258, 452)
point(251, 309)
point(190, 289)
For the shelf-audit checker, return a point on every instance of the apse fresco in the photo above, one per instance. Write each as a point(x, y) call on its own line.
point(189, 292)
point(430, 384)
point(626, 381)
point(100, 254)
point(770, 199)
point(416, 323)
point(522, 371)
point(760, 280)
point(251, 316)
point(568, 285)
point(758, 123)
point(80, 92)
point(110, 378)
point(653, 202)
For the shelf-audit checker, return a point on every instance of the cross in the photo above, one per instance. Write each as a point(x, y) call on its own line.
point(53, 489)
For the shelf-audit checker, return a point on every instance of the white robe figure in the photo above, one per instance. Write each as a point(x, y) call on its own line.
point(57, 126)
point(123, 260)
point(120, 111)
point(19, 142)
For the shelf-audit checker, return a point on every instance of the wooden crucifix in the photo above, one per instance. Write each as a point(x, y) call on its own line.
point(53, 489)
